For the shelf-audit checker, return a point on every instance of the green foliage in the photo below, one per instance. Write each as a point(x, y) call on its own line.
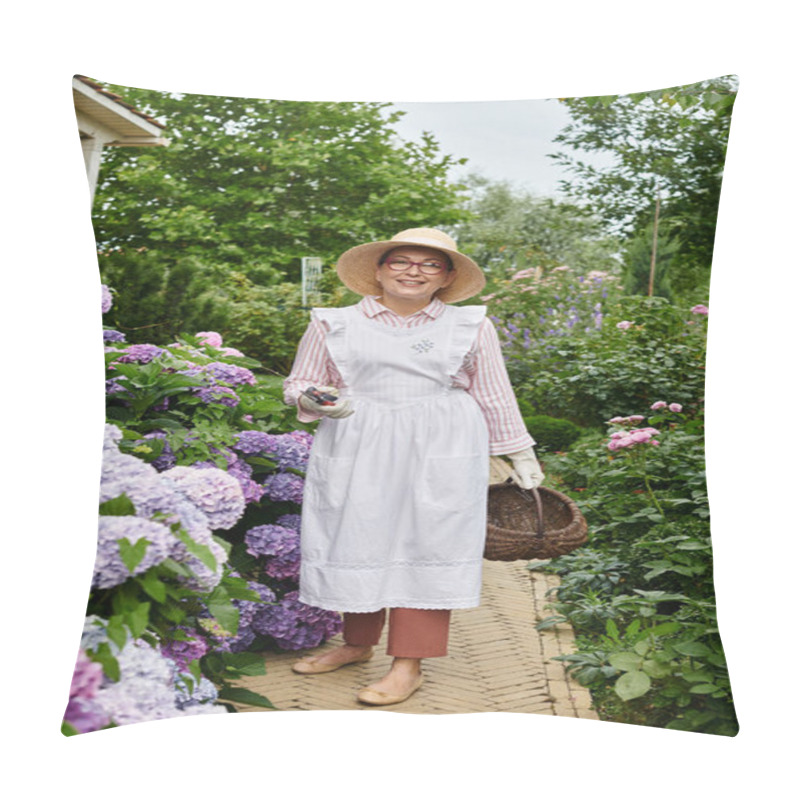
point(160, 397)
point(670, 143)
point(551, 434)
point(591, 376)
point(638, 255)
point(243, 190)
point(640, 595)
point(511, 230)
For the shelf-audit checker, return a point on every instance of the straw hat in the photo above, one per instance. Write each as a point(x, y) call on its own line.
point(356, 267)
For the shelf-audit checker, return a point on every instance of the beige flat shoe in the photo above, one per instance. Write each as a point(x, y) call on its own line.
point(375, 698)
point(311, 665)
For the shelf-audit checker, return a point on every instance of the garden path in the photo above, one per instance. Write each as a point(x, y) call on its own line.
point(497, 661)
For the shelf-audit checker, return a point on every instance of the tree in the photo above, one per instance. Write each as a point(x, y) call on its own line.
point(638, 252)
point(669, 144)
point(248, 187)
point(510, 230)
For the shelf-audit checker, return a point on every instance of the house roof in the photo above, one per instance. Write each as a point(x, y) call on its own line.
point(114, 112)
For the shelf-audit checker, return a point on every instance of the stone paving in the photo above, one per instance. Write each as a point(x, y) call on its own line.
point(497, 661)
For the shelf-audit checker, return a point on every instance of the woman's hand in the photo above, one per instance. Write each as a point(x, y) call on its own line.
point(527, 472)
point(338, 410)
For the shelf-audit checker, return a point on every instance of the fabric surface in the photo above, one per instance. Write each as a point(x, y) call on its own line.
point(482, 372)
point(413, 632)
point(394, 510)
point(233, 532)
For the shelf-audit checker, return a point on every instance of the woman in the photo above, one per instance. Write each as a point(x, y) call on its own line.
point(394, 511)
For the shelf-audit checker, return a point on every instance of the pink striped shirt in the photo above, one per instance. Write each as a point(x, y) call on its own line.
point(482, 373)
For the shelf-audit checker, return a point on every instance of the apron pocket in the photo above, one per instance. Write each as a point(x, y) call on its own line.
point(328, 481)
point(454, 483)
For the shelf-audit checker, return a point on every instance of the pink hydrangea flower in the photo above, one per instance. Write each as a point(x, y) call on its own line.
point(624, 325)
point(635, 418)
point(640, 436)
point(676, 407)
point(617, 420)
point(524, 273)
point(657, 405)
point(231, 351)
point(700, 309)
point(487, 297)
point(210, 338)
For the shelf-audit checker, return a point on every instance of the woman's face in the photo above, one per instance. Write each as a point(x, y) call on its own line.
point(413, 284)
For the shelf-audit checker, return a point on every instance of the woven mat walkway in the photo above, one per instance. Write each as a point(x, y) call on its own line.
point(496, 661)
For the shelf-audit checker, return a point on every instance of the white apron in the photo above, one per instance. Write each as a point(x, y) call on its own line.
point(394, 509)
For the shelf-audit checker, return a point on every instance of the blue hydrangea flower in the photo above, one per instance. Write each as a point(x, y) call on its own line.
point(217, 494)
point(222, 395)
point(229, 373)
point(109, 568)
point(253, 442)
point(284, 486)
point(141, 353)
point(291, 521)
point(280, 546)
point(294, 625)
point(150, 686)
point(113, 336)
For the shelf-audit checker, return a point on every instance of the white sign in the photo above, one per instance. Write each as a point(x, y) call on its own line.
point(312, 269)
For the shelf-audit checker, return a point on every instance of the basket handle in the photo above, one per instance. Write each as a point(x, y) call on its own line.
point(528, 494)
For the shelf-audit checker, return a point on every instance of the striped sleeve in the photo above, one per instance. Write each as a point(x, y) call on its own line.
point(312, 366)
point(491, 388)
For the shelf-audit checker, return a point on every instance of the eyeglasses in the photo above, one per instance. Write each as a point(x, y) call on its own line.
point(427, 267)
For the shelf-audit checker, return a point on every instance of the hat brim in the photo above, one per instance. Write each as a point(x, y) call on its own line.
point(356, 269)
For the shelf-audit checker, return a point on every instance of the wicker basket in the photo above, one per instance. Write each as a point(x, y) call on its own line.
point(537, 523)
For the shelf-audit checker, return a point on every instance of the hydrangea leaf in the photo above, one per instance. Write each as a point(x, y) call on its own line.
point(196, 549)
point(194, 669)
point(153, 586)
point(220, 607)
point(244, 663)
point(132, 554)
point(121, 506)
point(138, 618)
point(244, 696)
point(105, 658)
point(116, 631)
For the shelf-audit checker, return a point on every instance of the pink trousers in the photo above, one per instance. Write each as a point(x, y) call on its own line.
point(413, 632)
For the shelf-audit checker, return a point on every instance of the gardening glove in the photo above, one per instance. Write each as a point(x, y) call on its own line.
point(527, 472)
point(338, 410)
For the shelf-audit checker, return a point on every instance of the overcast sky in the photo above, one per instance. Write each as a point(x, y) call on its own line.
point(503, 140)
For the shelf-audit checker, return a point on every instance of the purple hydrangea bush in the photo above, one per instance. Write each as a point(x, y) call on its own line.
point(150, 685)
point(201, 489)
point(199, 501)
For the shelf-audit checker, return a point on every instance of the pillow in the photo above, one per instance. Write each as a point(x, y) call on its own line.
point(218, 220)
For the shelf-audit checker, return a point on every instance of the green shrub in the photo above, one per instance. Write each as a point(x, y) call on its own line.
point(640, 593)
point(552, 434)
